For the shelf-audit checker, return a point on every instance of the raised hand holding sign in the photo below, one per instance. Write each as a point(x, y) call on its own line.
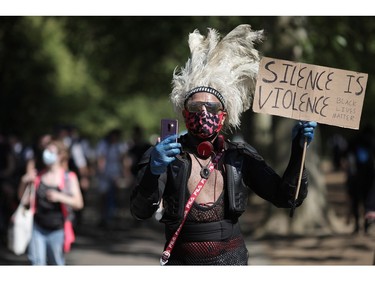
point(310, 93)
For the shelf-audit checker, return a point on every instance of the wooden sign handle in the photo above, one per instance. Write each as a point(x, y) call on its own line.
point(299, 178)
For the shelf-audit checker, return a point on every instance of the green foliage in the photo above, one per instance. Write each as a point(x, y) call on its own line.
point(345, 43)
point(100, 73)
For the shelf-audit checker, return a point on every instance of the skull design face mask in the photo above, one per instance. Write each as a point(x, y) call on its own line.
point(203, 124)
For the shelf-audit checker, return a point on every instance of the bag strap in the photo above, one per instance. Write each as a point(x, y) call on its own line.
point(167, 253)
point(28, 195)
point(65, 185)
point(38, 179)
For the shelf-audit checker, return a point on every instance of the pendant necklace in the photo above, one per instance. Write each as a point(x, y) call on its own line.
point(205, 171)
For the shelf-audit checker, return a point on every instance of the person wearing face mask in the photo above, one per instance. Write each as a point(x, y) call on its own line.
point(204, 179)
point(57, 194)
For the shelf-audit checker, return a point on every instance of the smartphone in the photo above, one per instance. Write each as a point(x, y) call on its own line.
point(168, 127)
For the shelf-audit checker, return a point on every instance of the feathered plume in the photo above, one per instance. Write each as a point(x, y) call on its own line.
point(230, 66)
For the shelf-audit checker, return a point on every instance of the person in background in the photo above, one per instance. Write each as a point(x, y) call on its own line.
point(370, 210)
point(8, 193)
point(370, 214)
point(338, 145)
point(111, 151)
point(360, 175)
point(77, 159)
point(57, 195)
point(138, 146)
point(78, 163)
point(211, 92)
point(23, 154)
point(35, 162)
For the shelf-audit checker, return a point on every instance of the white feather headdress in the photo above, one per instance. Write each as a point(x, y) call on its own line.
point(229, 66)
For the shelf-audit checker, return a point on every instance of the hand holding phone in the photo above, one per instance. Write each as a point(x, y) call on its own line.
point(166, 150)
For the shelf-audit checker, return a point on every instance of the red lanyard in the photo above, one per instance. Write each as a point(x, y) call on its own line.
point(167, 253)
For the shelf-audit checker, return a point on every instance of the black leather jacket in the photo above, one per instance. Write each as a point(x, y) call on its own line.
point(245, 170)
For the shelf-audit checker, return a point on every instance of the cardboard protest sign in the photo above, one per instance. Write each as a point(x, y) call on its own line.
point(310, 92)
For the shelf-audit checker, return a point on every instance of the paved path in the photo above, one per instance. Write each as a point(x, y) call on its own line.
point(129, 243)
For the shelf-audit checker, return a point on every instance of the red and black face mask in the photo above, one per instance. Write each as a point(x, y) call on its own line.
point(203, 124)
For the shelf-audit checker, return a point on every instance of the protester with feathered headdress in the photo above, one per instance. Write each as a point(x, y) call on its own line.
point(229, 66)
point(203, 179)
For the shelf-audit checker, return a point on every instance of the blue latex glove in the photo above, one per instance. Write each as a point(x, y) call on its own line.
point(305, 129)
point(163, 154)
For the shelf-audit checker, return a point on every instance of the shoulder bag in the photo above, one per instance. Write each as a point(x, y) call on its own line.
point(21, 223)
